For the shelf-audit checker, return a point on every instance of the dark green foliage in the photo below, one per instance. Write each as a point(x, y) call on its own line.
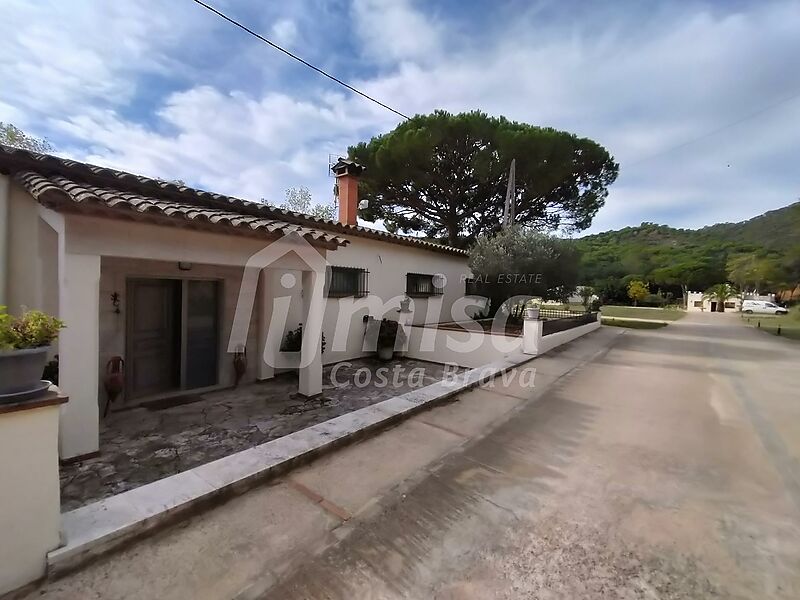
point(446, 175)
point(762, 253)
point(293, 341)
point(33, 329)
point(11, 135)
point(522, 262)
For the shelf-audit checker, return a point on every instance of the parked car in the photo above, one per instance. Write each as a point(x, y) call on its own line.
point(762, 307)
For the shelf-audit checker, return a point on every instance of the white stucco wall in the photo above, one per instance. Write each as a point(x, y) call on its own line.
point(694, 297)
point(36, 246)
point(29, 254)
point(554, 340)
point(464, 348)
point(24, 287)
point(388, 265)
point(30, 509)
point(115, 272)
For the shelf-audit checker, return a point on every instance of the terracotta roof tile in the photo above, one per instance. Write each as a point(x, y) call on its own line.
point(128, 191)
point(56, 190)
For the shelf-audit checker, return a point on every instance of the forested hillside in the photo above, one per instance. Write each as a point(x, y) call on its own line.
point(762, 254)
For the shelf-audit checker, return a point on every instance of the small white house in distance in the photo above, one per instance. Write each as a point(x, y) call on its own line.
point(157, 274)
point(696, 302)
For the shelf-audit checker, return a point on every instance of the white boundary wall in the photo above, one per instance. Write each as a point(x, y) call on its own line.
point(554, 340)
point(464, 348)
point(30, 506)
point(474, 349)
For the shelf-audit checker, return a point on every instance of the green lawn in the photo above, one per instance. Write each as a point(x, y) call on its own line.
point(789, 324)
point(656, 314)
point(633, 324)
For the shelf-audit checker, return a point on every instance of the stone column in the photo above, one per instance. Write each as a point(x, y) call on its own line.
point(30, 502)
point(79, 347)
point(266, 361)
point(311, 353)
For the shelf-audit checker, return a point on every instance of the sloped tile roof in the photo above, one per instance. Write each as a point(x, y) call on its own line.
point(54, 190)
point(56, 180)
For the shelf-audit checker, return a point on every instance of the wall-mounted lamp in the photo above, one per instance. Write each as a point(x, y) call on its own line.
point(185, 266)
point(115, 302)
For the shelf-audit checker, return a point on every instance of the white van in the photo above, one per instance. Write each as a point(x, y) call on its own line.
point(762, 307)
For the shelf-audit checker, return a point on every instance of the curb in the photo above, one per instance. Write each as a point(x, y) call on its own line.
point(94, 529)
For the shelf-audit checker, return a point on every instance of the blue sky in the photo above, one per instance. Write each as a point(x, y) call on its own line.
point(169, 90)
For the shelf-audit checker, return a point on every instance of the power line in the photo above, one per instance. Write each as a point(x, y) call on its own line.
point(297, 58)
point(713, 132)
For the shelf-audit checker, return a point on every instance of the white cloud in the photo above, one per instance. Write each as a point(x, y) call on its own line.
point(394, 30)
point(284, 32)
point(55, 56)
point(230, 143)
point(637, 85)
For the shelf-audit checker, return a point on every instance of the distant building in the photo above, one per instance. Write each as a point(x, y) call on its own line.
point(696, 302)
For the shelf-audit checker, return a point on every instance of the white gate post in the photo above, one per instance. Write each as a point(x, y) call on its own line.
point(30, 502)
point(531, 336)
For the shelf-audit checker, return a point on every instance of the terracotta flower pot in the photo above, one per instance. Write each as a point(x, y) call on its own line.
point(21, 371)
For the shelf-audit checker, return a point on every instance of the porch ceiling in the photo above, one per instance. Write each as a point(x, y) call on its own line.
point(62, 193)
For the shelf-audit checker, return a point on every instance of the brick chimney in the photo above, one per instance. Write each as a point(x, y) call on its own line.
point(347, 173)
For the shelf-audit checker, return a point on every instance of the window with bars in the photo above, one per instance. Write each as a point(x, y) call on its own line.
point(422, 285)
point(347, 281)
point(470, 287)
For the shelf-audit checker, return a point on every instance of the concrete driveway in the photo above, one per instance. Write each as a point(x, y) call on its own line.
point(667, 467)
point(643, 464)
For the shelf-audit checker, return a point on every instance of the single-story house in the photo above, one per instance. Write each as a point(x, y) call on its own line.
point(696, 301)
point(182, 283)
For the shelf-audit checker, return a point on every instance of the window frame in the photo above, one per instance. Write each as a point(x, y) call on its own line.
point(415, 290)
point(358, 288)
point(470, 287)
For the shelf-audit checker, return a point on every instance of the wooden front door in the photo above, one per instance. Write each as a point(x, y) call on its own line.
point(154, 340)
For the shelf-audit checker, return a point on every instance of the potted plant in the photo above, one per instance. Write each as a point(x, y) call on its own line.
point(532, 310)
point(24, 343)
point(293, 343)
point(389, 335)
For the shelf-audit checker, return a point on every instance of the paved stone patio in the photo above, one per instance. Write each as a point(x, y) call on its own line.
point(142, 445)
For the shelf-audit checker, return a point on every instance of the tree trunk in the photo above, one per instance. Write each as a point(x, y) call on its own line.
point(452, 234)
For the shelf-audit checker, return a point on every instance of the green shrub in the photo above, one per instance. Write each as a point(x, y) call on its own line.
point(293, 341)
point(33, 329)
